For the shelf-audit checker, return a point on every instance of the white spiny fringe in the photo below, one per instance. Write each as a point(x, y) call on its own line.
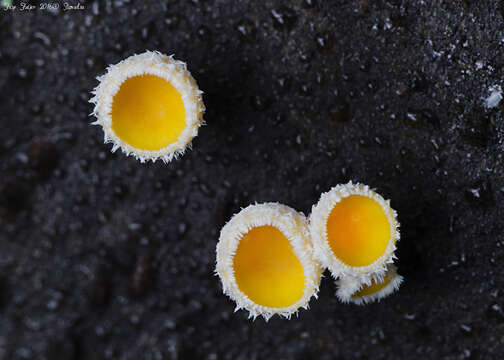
point(349, 285)
point(153, 63)
point(318, 230)
point(294, 226)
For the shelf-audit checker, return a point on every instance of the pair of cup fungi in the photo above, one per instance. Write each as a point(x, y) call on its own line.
point(270, 258)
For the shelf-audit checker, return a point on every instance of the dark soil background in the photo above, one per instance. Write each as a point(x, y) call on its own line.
point(104, 257)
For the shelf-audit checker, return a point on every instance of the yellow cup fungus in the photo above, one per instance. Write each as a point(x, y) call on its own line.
point(264, 260)
point(149, 106)
point(352, 289)
point(354, 231)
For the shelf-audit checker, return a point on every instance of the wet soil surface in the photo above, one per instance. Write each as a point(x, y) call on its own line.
point(104, 257)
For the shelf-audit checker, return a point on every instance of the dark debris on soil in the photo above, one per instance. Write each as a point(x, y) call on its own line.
point(104, 257)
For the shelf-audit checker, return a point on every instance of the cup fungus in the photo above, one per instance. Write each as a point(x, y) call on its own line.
point(352, 289)
point(354, 232)
point(265, 263)
point(148, 105)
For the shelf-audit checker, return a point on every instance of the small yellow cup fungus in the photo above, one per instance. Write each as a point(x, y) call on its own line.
point(352, 289)
point(265, 263)
point(148, 105)
point(354, 231)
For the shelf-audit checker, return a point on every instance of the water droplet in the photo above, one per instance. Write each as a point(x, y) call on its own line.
point(22, 73)
point(480, 194)
point(495, 311)
point(259, 102)
point(247, 30)
point(409, 316)
point(172, 21)
point(52, 304)
point(170, 324)
point(135, 319)
point(134, 226)
point(309, 3)
point(422, 118)
point(466, 329)
point(284, 17)
point(182, 228)
point(204, 33)
point(324, 41)
point(42, 37)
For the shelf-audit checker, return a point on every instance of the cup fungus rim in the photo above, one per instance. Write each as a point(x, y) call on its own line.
point(318, 231)
point(294, 226)
point(349, 285)
point(149, 63)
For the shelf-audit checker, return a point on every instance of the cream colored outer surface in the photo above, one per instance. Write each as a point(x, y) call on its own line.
point(294, 227)
point(149, 63)
point(318, 230)
point(349, 285)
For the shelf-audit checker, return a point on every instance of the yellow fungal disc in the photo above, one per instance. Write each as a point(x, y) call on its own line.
point(265, 262)
point(266, 268)
point(354, 231)
point(148, 112)
point(351, 289)
point(149, 106)
point(358, 230)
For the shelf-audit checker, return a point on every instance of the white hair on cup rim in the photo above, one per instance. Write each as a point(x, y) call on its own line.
point(350, 286)
point(320, 239)
point(293, 225)
point(165, 67)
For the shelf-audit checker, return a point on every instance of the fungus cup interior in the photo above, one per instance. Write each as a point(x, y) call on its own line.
point(266, 268)
point(148, 112)
point(358, 230)
point(373, 288)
